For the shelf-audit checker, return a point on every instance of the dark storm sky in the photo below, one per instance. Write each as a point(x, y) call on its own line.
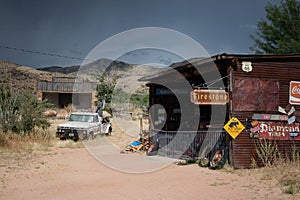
point(74, 28)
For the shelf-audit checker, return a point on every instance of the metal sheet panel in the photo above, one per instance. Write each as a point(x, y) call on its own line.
point(243, 148)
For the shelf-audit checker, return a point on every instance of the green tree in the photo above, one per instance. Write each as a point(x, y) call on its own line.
point(140, 99)
point(20, 112)
point(280, 32)
point(106, 85)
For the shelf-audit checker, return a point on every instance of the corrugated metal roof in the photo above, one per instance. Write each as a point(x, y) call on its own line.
point(205, 65)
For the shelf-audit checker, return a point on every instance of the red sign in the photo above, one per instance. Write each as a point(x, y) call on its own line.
point(295, 92)
point(279, 131)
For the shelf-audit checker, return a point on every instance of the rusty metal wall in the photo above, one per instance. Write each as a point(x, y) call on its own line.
point(243, 149)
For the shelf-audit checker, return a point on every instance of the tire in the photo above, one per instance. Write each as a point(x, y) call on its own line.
point(83, 137)
point(91, 136)
point(217, 159)
point(152, 151)
point(203, 162)
point(109, 131)
point(65, 135)
point(62, 136)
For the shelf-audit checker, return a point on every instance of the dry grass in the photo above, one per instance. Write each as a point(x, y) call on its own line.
point(280, 170)
point(285, 174)
point(68, 144)
point(43, 141)
point(36, 140)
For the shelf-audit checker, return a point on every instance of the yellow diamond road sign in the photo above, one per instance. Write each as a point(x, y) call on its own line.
point(234, 127)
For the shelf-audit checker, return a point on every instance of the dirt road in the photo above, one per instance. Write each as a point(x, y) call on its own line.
point(64, 173)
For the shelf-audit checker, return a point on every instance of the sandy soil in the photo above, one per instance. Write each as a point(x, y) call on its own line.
point(73, 173)
point(64, 173)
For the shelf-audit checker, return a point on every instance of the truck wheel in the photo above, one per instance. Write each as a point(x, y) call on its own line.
point(83, 136)
point(109, 131)
point(62, 137)
point(92, 136)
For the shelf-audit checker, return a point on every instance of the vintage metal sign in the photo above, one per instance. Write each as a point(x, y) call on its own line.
point(234, 127)
point(279, 131)
point(294, 93)
point(246, 66)
point(274, 117)
point(209, 97)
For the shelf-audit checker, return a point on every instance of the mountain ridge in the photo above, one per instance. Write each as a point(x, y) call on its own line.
point(100, 65)
point(24, 77)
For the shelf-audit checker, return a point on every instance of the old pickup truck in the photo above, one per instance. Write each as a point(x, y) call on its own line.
point(84, 125)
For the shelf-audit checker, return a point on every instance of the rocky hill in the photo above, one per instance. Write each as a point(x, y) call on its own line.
point(127, 75)
point(22, 77)
point(97, 66)
point(58, 69)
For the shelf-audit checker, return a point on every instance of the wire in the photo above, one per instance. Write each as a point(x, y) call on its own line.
point(210, 83)
point(217, 80)
point(43, 53)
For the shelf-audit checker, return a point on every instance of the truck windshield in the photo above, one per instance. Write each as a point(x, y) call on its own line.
point(83, 118)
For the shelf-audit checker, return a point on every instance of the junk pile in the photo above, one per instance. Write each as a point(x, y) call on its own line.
point(138, 146)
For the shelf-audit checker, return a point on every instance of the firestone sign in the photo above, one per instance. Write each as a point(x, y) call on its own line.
point(294, 93)
point(209, 97)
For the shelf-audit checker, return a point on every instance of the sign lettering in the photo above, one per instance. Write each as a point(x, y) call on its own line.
point(279, 131)
point(210, 97)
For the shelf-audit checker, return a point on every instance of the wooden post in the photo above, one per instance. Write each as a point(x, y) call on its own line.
point(141, 129)
point(39, 95)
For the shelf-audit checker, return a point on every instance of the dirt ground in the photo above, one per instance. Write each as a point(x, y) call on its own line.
point(65, 173)
point(74, 173)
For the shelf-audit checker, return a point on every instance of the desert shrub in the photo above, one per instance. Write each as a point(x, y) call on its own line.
point(295, 155)
point(20, 111)
point(267, 151)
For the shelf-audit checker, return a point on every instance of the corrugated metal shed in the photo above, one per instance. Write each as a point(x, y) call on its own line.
point(248, 93)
